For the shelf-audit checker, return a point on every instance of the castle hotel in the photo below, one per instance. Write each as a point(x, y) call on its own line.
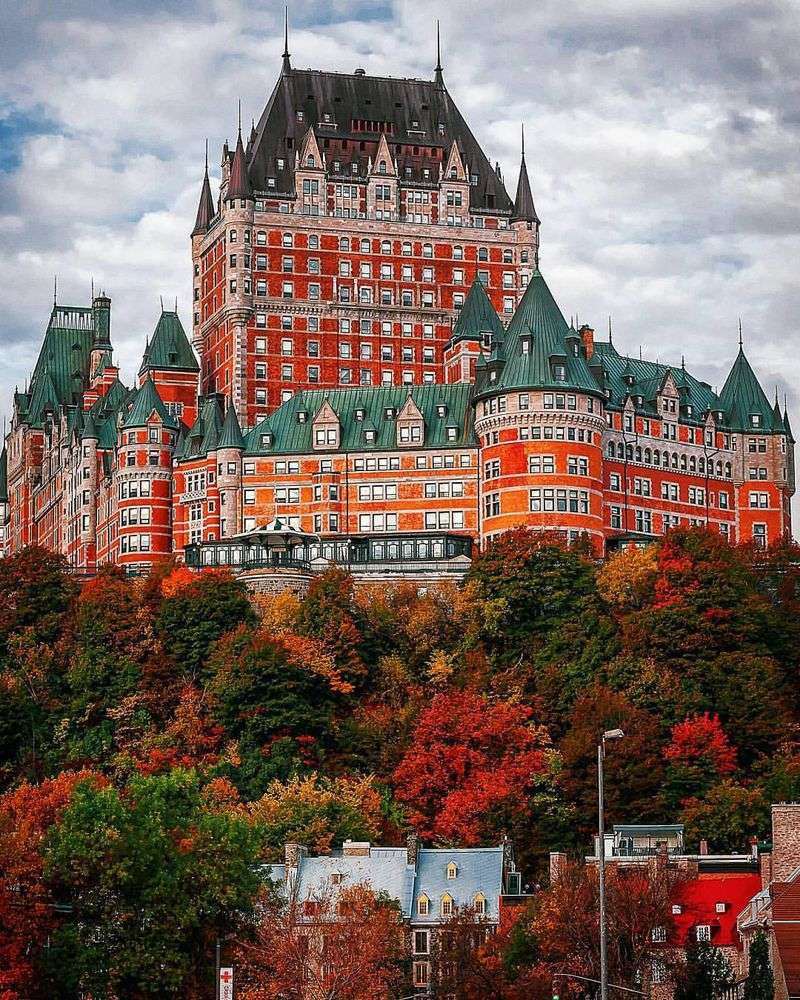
point(376, 374)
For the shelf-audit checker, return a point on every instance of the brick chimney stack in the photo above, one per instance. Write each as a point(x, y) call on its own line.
point(785, 839)
point(412, 850)
point(293, 854)
point(587, 336)
point(704, 847)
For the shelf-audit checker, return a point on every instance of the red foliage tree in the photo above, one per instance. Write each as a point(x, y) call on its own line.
point(27, 914)
point(468, 758)
point(700, 741)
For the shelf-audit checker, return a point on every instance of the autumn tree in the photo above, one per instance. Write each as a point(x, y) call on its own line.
point(634, 767)
point(565, 917)
point(470, 762)
point(279, 712)
point(153, 873)
point(627, 578)
point(727, 816)
point(328, 612)
point(28, 908)
point(318, 812)
point(197, 613)
point(528, 583)
point(336, 945)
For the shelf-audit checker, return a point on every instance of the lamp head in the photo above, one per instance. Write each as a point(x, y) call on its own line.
point(613, 734)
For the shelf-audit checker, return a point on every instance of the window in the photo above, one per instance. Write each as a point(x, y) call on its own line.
point(421, 943)
point(659, 935)
point(421, 973)
point(423, 905)
point(760, 535)
point(703, 932)
point(759, 500)
point(479, 904)
point(446, 907)
point(452, 870)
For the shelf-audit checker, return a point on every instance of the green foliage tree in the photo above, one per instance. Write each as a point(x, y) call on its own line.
point(153, 874)
point(707, 974)
point(191, 620)
point(329, 612)
point(760, 983)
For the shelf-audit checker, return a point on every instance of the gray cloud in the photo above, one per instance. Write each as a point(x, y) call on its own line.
point(662, 142)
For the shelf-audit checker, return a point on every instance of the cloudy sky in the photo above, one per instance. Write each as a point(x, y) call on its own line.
point(662, 140)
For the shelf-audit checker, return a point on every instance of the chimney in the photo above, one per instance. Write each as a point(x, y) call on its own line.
point(703, 847)
point(765, 869)
point(508, 855)
point(754, 848)
point(785, 840)
point(587, 336)
point(356, 849)
point(293, 854)
point(412, 850)
point(558, 860)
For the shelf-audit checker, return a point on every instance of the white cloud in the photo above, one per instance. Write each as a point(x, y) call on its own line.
point(661, 139)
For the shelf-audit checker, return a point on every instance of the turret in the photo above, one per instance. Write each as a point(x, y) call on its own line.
point(230, 446)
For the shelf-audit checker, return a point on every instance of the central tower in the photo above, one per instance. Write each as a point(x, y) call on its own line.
point(348, 229)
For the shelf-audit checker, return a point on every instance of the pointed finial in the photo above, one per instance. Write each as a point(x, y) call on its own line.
point(206, 155)
point(522, 130)
point(609, 328)
point(176, 303)
point(740, 333)
point(161, 300)
point(683, 362)
point(55, 289)
point(92, 288)
point(287, 66)
point(438, 75)
point(640, 352)
point(240, 116)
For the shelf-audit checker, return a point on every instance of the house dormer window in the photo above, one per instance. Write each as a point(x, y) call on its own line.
point(382, 167)
point(452, 870)
point(310, 162)
point(560, 373)
point(359, 414)
point(369, 436)
point(301, 416)
point(389, 413)
point(423, 905)
point(755, 419)
point(441, 410)
point(721, 907)
point(677, 910)
point(479, 905)
point(446, 905)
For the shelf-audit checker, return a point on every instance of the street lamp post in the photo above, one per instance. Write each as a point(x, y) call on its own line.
point(609, 734)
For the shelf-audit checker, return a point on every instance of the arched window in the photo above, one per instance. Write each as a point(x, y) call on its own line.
point(638, 454)
point(683, 463)
point(727, 470)
point(479, 904)
point(719, 469)
point(648, 458)
point(701, 465)
point(620, 450)
point(674, 460)
point(612, 451)
point(446, 906)
point(382, 167)
point(692, 464)
point(310, 162)
point(629, 452)
point(423, 905)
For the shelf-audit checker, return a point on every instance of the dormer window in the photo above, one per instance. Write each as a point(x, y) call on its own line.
point(302, 416)
point(389, 413)
point(310, 161)
point(266, 439)
point(369, 436)
point(755, 419)
point(359, 414)
point(677, 909)
point(560, 373)
point(423, 905)
point(479, 905)
point(441, 410)
point(721, 907)
point(382, 167)
point(452, 870)
point(446, 905)
point(300, 116)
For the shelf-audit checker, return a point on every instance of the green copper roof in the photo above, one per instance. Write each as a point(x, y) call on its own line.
point(170, 347)
point(231, 434)
point(477, 317)
point(537, 343)
point(442, 407)
point(742, 398)
point(90, 430)
point(62, 366)
point(105, 362)
point(205, 431)
point(145, 401)
point(612, 368)
point(3, 476)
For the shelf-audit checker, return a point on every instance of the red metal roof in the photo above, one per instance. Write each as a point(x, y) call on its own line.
point(698, 899)
point(786, 924)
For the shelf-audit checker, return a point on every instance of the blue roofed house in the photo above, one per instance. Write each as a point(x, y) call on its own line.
point(430, 885)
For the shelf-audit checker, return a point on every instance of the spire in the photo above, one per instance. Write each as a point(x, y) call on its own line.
point(239, 182)
point(231, 435)
point(205, 210)
point(776, 409)
point(743, 399)
point(524, 210)
point(287, 66)
point(438, 76)
point(786, 426)
point(740, 333)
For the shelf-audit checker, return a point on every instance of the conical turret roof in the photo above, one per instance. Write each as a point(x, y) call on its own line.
point(477, 316)
point(170, 348)
point(231, 434)
point(524, 209)
point(540, 350)
point(145, 401)
point(205, 209)
point(742, 399)
point(239, 182)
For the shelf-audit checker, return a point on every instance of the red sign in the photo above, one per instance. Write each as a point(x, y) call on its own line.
point(226, 984)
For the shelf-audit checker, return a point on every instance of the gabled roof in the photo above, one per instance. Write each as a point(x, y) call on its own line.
point(479, 870)
point(742, 397)
point(477, 316)
point(291, 424)
point(537, 339)
point(170, 348)
point(412, 113)
point(144, 403)
point(231, 434)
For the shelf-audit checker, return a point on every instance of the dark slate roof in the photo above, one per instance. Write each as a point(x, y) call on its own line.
point(523, 202)
point(144, 402)
point(170, 348)
point(205, 209)
point(538, 338)
point(477, 316)
point(231, 434)
point(3, 476)
point(239, 181)
point(292, 434)
point(742, 397)
point(349, 97)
